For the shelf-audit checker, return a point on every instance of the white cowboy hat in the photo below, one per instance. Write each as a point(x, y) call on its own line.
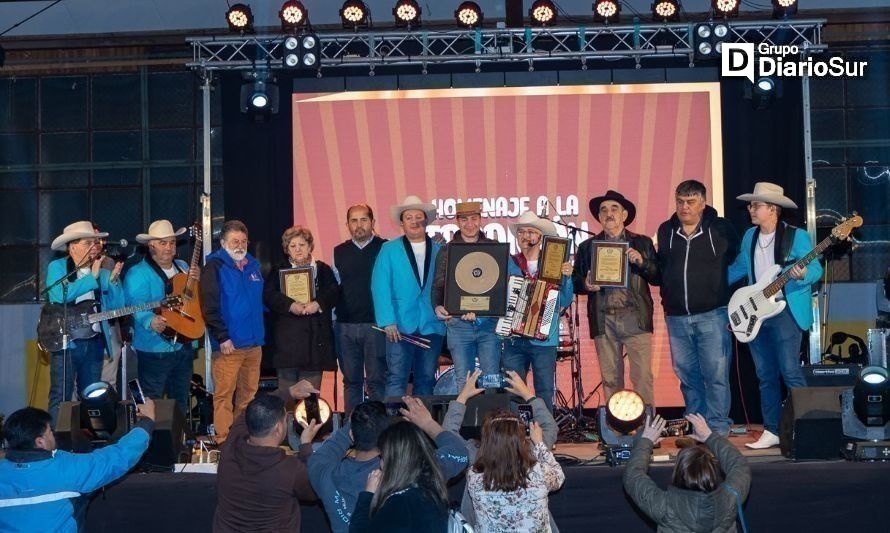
point(769, 193)
point(159, 229)
point(412, 202)
point(531, 220)
point(78, 230)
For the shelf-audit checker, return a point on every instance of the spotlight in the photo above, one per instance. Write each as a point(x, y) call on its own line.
point(708, 39)
point(303, 51)
point(666, 10)
point(354, 14)
point(865, 415)
point(542, 13)
point(407, 13)
point(240, 18)
point(260, 94)
point(870, 401)
point(606, 10)
point(783, 9)
point(727, 8)
point(764, 91)
point(764, 85)
point(98, 410)
point(624, 413)
point(325, 415)
point(293, 15)
point(468, 15)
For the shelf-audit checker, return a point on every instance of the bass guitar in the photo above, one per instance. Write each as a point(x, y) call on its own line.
point(186, 323)
point(81, 316)
point(751, 305)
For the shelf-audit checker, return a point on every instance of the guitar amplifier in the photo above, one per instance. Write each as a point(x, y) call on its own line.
point(831, 375)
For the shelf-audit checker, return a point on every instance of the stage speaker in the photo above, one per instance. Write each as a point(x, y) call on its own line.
point(811, 425)
point(477, 407)
point(169, 441)
point(831, 375)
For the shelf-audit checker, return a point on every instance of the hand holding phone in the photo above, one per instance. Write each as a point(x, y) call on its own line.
point(136, 391)
point(312, 410)
point(492, 381)
point(526, 415)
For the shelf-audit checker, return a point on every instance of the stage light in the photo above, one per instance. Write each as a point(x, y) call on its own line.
point(727, 8)
point(407, 13)
point(259, 94)
point(468, 15)
point(302, 51)
point(625, 411)
point(293, 15)
point(666, 10)
point(354, 13)
point(542, 13)
point(708, 39)
point(783, 9)
point(764, 85)
point(240, 18)
point(870, 401)
point(606, 10)
point(98, 410)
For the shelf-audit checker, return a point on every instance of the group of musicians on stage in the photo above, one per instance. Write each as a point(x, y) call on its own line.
point(387, 294)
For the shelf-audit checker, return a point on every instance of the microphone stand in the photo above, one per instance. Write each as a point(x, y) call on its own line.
point(64, 282)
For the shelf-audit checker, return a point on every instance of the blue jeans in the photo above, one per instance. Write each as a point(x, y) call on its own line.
point(361, 352)
point(402, 357)
point(466, 341)
point(520, 354)
point(84, 365)
point(776, 352)
point(701, 353)
point(167, 372)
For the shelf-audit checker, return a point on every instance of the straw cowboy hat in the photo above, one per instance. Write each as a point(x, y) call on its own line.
point(159, 229)
point(78, 230)
point(769, 193)
point(628, 206)
point(531, 220)
point(412, 202)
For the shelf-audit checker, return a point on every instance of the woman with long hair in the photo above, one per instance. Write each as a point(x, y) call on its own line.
point(407, 493)
point(701, 498)
point(512, 476)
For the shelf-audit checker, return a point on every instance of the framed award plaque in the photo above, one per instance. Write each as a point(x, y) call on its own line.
point(608, 264)
point(554, 252)
point(298, 284)
point(476, 278)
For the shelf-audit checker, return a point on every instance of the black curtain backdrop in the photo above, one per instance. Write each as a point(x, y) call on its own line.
point(758, 145)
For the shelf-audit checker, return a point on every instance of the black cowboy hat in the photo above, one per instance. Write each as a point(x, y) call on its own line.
point(616, 197)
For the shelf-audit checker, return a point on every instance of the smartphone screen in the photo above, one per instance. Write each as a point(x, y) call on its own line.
point(526, 415)
point(136, 391)
point(491, 381)
point(312, 411)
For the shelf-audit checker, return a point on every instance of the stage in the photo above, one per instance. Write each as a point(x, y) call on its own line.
point(785, 495)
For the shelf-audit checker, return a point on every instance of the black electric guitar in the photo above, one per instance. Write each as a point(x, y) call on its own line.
point(81, 317)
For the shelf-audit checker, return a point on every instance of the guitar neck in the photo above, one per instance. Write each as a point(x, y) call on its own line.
point(196, 258)
point(122, 311)
point(785, 277)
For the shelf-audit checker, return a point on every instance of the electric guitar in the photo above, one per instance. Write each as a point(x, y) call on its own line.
point(751, 305)
point(52, 325)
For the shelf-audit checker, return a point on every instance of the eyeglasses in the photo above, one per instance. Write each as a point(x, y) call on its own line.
point(234, 242)
point(754, 206)
point(529, 232)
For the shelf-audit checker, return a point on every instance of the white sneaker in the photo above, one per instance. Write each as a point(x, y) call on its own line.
point(766, 440)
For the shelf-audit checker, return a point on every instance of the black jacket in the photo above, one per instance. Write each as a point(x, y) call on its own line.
point(693, 270)
point(305, 342)
point(638, 282)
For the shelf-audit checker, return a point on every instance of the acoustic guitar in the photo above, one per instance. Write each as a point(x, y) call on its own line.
point(186, 323)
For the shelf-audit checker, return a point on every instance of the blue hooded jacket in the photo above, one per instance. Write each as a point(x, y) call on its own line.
point(232, 301)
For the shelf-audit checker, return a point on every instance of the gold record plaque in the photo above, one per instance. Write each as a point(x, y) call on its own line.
point(476, 278)
point(554, 253)
point(608, 264)
point(298, 284)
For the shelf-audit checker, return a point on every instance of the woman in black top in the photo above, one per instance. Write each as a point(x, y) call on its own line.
point(303, 333)
point(407, 493)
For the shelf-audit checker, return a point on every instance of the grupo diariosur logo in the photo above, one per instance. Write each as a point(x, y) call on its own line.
point(783, 61)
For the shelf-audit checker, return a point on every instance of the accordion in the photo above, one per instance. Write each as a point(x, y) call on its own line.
point(531, 307)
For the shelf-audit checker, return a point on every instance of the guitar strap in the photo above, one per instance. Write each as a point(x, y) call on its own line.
point(168, 285)
point(73, 277)
point(787, 240)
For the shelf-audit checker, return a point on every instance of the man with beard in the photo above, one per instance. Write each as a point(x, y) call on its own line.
point(232, 303)
point(362, 350)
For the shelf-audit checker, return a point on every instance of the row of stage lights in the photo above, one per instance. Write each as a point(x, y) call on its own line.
point(407, 13)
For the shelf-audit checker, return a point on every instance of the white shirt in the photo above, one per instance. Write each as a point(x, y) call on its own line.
point(419, 249)
point(764, 254)
point(532, 267)
point(170, 271)
point(82, 273)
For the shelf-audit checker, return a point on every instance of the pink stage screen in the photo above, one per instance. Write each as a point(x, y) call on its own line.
point(547, 149)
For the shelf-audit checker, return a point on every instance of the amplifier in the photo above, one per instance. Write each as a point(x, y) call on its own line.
point(867, 450)
point(831, 375)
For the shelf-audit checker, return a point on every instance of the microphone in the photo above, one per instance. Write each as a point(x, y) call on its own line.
point(123, 243)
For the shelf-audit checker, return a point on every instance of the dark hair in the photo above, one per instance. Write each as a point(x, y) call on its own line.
point(697, 469)
point(504, 457)
point(366, 207)
point(692, 188)
point(232, 225)
point(407, 458)
point(367, 421)
point(24, 426)
point(263, 412)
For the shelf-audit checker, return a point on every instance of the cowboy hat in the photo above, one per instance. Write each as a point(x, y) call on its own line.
point(615, 197)
point(467, 208)
point(412, 202)
point(159, 229)
point(769, 193)
point(531, 220)
point(78, 230)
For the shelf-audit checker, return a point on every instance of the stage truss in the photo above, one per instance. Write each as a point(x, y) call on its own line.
point(420, 47)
